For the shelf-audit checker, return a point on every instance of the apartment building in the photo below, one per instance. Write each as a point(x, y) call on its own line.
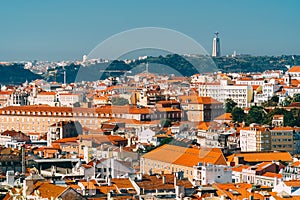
point(241, 94)
point(68, 99)
point(47, 98)
point(286, 139)
point(63, 129)
point(200, 108)
point(255, 138)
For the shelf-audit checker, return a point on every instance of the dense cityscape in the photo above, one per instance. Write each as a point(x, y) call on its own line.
point(219, 124)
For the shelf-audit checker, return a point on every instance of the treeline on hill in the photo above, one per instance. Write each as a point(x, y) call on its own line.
point(180, 65)
point(256, 63)
point(16, 74)
point(259, 115)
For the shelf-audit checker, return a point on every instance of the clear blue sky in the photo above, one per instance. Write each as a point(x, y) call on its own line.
point(65, 30)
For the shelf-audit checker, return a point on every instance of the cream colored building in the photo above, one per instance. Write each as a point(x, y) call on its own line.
point(179, 159)
point(37, 118)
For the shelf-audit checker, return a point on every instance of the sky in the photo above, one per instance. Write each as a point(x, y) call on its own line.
point(66, 30)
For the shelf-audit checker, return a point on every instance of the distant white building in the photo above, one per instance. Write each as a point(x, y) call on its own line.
point(46, 98)
point(291, 188)
point(145, 136)
point(206, 173)
point(241, 94)
point(67, 99)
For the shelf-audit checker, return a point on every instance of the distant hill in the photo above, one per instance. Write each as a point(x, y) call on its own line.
point(248, 63)
point(176, 64)
point(16, 74)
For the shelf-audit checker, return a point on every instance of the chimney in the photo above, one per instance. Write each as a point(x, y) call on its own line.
point(112, 161)
point(175, 179)
point(23, 159)
point(164, 179)
point(179, 192)
point(109, 195)
point(109, 181)
point(142, 190)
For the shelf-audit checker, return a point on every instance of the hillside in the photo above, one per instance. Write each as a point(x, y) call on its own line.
point(16, 74)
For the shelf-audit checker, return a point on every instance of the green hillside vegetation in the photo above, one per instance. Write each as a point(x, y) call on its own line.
point(16, 74)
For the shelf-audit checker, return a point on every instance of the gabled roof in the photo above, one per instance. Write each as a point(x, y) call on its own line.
point(48, 190)
point(262, 165)
point(155, 182)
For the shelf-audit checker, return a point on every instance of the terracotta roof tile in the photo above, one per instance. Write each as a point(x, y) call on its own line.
point(262, 156)
point(186, 156)
point(294, 69)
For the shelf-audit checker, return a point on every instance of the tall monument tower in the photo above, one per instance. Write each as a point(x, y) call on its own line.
point(216, 51)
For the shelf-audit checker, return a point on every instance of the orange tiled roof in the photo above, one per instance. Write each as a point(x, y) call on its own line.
point(66, 140)
point(225, 116)
point(122, 182)
point(88, 184)
point(69, 110)
point(292, 183)
point(186, 156)
point(272, 175)
point(262, 156)
point(262, 165)
point(6, 92)
point(48, 190)
point(47, 93)
point(294, 69)
point(198, 100)
point(286, 128)
point(102, 138)
point(154, 182)
point(104, 189)
point(206, 125)
point(296, 164)
point(239, 168)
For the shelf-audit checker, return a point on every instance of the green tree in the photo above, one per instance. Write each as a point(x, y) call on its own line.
point(269, 117)
point(229, 105)
point(287, 101)
point(296, 98)
point(271, 102)
point(119, 101)
point(256, 115)
point(165, 122)
point(238, 114)
point(76, 104)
